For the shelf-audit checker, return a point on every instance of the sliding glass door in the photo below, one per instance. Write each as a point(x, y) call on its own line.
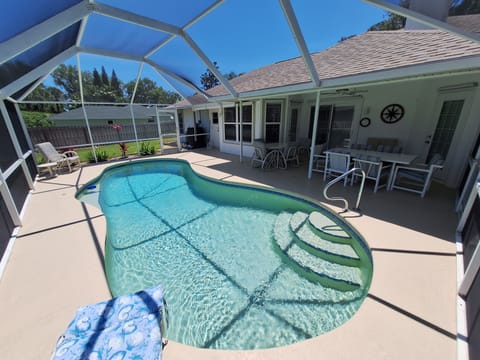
point(334, 125)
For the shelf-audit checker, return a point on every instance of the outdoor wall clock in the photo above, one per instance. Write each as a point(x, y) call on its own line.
point(365, 122)
point(392, 113)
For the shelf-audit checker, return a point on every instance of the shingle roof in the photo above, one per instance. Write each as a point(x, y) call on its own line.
point(195, 99)
point(366, 53)
point(106, 112)
point(469, 23)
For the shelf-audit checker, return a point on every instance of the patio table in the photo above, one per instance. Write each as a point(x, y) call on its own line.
point(393, 158)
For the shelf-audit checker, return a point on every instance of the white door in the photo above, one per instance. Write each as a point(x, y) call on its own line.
point(214, 131)
point(447, 135)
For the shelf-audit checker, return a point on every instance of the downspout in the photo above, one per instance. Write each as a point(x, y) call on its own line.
point(314, 135)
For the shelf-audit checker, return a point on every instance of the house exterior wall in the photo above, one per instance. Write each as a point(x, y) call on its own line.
point(420, 100)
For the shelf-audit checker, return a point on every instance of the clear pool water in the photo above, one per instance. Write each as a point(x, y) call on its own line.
point(212, 246)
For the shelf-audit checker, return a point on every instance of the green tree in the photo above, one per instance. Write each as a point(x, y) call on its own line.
point(97, 80)
point(230, 75)
point(343, 38)
point(66, 78)
point(149, 93)
point(208, 79)
point(464, 7)
point(105, 79)
point(44, 93)
point(36, 119)
point(393, 21)
point(116, 85)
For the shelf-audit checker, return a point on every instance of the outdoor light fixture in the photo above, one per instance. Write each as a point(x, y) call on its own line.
point(463, 86)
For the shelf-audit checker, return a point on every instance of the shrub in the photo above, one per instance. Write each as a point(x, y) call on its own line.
point(102, 155)
point(147, 149)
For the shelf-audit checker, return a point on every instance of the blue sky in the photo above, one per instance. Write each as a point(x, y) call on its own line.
point(242, 35)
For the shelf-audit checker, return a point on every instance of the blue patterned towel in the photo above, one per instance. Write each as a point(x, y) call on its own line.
point(126, 327)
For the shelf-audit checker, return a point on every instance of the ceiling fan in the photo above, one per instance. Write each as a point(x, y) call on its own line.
point(344, 92)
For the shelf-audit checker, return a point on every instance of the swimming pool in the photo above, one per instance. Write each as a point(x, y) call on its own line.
point(243, 267)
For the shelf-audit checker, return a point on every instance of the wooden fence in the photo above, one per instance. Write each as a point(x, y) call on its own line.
point(77, 136)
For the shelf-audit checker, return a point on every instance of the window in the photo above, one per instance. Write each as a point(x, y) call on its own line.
point(180, 122)
point(229, 114)
point(215, 117)
point(292, 131)
point(232, 123)
point(247, 119)
point(273, 117)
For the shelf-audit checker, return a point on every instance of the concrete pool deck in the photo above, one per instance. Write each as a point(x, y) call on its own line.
point(56, 265)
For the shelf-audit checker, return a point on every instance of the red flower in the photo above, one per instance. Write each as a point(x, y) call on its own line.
point(117, 126)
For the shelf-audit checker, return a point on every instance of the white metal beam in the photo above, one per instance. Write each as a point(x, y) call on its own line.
point(300, 40)
point(36, 34)
point(38, 72)
point(423, 19)
point(109, 53)
point(209, 64)
point(16, 146)
point(173, 75)
point(190, 23)
point(135, 19)
point(81, 31)
point(82, 100)
point(34, 85)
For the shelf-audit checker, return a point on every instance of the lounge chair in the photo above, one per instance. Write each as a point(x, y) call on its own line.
point(68, 158)
point(129, 326)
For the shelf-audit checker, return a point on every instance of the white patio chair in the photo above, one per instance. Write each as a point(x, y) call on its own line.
point(258, 156)
point(416, 178)
point(336, 164)
point(374, 169)
point(68, 158)
point(292, 155)
point(319, 158)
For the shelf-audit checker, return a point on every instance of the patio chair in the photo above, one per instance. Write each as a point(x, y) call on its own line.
point(68, 158)
point(319, 158)
point(292, 155)
point(416, 178)
point(336, 164)
point(397, 149)
point(127, 326)
point(374, 169)
point(258, 156)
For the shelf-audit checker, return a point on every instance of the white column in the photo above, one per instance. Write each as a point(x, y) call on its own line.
point(314, 135)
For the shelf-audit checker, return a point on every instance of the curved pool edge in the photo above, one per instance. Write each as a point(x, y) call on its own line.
point(264, 188)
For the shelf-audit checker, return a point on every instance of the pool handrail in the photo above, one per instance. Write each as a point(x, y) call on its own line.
point(345, 201)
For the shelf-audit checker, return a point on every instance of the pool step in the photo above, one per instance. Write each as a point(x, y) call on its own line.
point(328, 229)
point(313, 242)
point(323, 269)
